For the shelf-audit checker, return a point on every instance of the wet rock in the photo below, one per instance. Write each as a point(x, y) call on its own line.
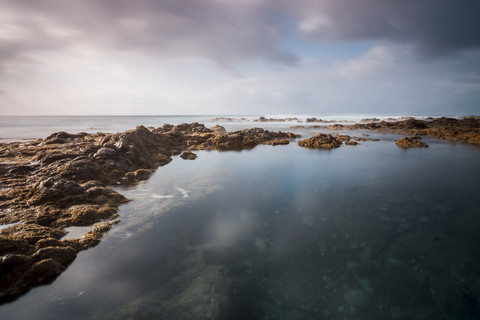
point(137, 175)
point(63, 180)
point(412, 142)
point(48, 242)
point(218, 128)
point(63, 137)
point(351, 143)
point(370, 120)
point(277, 142)
point(12, 267)
point(86, 214)
point(31, 233)
point(320, 141)
point(463, 130)
point(41, 271)
point(105, 152)
point(8, 245)
point(62, 255)
point(81, 169)
point(54, 190)
point(342, 137)
point(188, 155)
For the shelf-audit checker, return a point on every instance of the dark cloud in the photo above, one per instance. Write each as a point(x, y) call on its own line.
point(228, 31)
point(223, 31)
point(434, 27)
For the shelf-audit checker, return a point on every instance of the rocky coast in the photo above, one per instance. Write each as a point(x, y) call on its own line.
point(464, 129)
point(63, 180)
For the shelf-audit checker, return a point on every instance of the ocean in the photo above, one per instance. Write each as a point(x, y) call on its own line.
point(359, 232)
point(24, 128)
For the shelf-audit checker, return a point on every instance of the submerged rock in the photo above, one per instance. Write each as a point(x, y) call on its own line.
point(412, 142)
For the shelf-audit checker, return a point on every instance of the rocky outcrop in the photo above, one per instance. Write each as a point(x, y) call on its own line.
point(412, 142)
point(327, 141)
point(320, 141)
point(62, 181)
point(188, 155)
point(465, 129)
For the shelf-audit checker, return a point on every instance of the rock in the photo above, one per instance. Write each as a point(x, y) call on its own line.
point(137, 175)
point(54, 190)
point(351, 143)
point(12, 267)
point(41, 271)
point(9, 245)
point(188, 155)
point(320, 141)
point(218, 128)
point(62, 255)
point(464, 130)
point(31, 233)
point(63, 180)
point(412, 142)
point(106, 152)
point(277, 142)
point(86, 214)
point(370, 120)
point(82, 169)
point(342, 137)
point(63, 137)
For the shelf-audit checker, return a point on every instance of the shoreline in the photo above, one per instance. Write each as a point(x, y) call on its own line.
point(62, 181)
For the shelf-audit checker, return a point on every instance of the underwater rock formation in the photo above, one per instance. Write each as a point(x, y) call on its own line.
point(62, 181)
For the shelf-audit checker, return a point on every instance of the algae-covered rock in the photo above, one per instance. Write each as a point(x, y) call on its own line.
point(188, 155)
point(320, 141)
point(412, 142)
point(63, 180)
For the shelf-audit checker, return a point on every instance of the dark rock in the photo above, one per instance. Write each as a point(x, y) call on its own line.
point(351, 143)
point(63, 137)
point(412, 142)
point(106, 152)
point(54, 190)
point(320, 141)
point(12, 267)
point(31, 233)
point(41, 271)
point(62, 181)
point(62, 255)
point(188, 155)
point(137, 175)
point(277, 142)
point(8, 245)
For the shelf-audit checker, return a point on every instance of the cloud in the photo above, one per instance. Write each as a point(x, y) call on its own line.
point(468, 83)
point(376, 62)
point(434, 27)
point(228, 32)
point(221, 31)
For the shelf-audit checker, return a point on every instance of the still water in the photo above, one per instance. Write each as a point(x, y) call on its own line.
point(360, 232)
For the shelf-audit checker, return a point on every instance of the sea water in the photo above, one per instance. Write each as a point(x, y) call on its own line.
point(22, 128)
point(359, 232)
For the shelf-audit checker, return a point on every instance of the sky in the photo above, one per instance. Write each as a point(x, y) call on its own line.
point(239, 57)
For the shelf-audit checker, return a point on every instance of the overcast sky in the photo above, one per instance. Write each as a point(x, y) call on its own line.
point(315, 57)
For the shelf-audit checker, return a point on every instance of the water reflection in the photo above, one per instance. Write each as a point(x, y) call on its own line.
point(368, 232)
